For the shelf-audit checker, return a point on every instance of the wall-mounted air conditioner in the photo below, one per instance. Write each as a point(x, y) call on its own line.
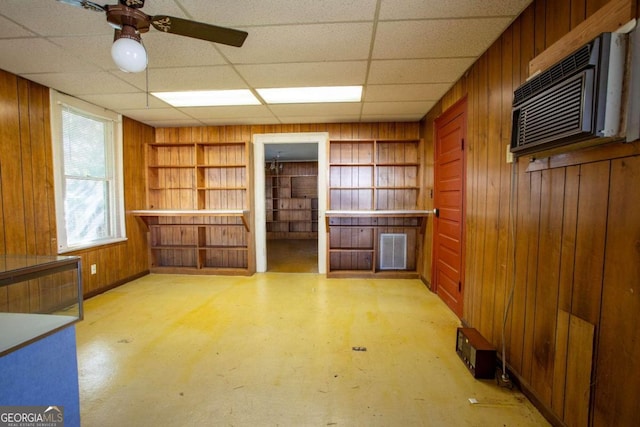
point(577, 99)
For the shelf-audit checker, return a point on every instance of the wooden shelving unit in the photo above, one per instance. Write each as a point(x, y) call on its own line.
point(199, 208)
point(292, 200)
point(373, 192)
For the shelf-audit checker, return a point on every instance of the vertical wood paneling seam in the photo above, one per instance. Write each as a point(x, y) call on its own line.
point(524, 222)
point(483, 104)
point(471, 262)
point(540, 28)
point(22, 160)
point(24, 104)
point(510, 275)
point(535, 281)
point(573, 274)
point(2, 204)
point(4, 224)
point(513, 236)
point(596, 338)
point(499, 279)
point(48, 158)
point(32, 182)
point(555, 349)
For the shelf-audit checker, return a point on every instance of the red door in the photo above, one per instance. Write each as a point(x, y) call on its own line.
point(448, 244)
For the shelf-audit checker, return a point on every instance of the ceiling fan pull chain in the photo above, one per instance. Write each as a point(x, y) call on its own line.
point(146, 89)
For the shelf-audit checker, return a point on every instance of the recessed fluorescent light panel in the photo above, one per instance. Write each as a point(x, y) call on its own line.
point(308, 95)
point(208, 98)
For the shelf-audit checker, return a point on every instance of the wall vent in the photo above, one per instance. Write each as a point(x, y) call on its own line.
point(393, 251)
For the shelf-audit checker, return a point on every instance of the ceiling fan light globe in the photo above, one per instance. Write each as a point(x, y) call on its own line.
point(129, 55)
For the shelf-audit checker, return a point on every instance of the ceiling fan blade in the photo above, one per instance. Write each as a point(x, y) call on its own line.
point(198, 30)
point(85, 4)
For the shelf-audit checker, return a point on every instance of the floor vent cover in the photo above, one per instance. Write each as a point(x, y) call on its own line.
point(393, 251)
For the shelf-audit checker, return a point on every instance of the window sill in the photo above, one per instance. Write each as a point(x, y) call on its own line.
point(96, 245)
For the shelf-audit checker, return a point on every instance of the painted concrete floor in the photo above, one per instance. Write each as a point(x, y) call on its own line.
point(276, 349)
point(292, 255)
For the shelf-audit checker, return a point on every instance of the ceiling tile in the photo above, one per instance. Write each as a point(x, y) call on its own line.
point(49, 18)
point(258, 13)
point(83, 83)
point(121, 101)
point(408, 92)
point(429, 9)
point(10, 30)
point(167, 50)
point(373, 118)
point(228, 112)
point(143, 114)
point(194, 78)
point(343, 73)
point(95, 49)
point(436, 38)
point(335, 118)
point(395, 108)
point(303, 43)
point(418, 70)
point(328, 109)
point(42, 57)
point(173, 123)
point(241, 121)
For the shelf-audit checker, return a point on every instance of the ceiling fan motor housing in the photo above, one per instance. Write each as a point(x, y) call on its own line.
point(120, 16)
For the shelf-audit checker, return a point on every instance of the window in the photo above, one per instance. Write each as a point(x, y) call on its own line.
point(87, 159)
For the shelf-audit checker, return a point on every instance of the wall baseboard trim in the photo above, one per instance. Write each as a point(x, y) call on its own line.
point(530, 394)
point(115, 284)
point(425, 281)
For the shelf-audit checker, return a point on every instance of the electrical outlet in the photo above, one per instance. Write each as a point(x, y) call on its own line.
point(93, 269)
point(509, 154)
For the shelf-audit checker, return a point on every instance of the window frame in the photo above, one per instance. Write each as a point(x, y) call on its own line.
point(114, 153)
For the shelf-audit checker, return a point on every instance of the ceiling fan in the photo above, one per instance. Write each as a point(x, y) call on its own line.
point(129, 22)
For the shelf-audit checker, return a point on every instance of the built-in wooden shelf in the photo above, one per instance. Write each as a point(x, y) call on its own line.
point(421, 215)
point(181, 213)
point(374, 191)
point(199, 207)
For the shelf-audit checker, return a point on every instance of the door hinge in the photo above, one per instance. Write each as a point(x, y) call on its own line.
point(459, 286)
point(462, 144)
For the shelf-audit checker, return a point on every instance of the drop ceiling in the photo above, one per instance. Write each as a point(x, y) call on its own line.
point(405, 53)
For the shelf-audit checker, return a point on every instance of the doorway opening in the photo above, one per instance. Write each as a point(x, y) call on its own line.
point(290, 202)
point(291, 196)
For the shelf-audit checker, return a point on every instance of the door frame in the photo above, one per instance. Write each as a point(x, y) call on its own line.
point(452, 113)
point(260, 227)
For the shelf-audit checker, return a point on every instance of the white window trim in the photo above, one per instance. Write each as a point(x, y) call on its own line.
point(58, 101)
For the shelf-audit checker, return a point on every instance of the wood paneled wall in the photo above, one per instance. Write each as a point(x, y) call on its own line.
point(336, 131)
point(27, 216)
point(573, 329)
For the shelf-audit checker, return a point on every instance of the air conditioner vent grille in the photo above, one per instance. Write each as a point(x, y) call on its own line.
point(552, 116)
point(393, 251)
point(563, 69)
